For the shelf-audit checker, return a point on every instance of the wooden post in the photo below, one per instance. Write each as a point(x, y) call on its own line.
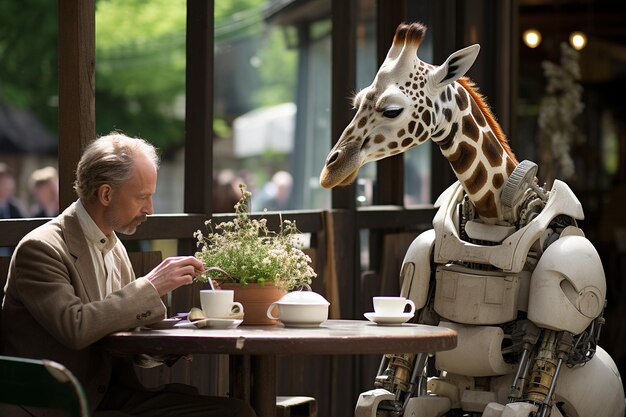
point(77, 88)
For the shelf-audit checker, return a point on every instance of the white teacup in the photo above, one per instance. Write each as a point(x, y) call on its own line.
point(392, 306)
point(219, 304)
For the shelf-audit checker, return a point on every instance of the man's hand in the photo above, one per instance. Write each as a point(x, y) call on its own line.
point(174, 272)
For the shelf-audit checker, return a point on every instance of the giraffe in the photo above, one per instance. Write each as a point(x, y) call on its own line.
point(410, 102)
point(521, 271)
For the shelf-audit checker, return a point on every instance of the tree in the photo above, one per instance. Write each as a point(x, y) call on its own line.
point(140, 62)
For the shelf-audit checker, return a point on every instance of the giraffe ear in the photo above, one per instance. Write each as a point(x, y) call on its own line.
point(455, 66)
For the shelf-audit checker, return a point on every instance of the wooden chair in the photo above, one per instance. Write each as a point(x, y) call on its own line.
point(43, 384)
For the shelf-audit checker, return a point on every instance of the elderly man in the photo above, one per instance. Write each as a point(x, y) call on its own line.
point(70, 283)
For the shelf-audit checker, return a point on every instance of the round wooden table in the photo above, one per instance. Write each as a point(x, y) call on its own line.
point(253, 349)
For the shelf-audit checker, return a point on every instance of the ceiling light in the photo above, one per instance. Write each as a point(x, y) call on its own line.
point(532, 38)
point(578, 40)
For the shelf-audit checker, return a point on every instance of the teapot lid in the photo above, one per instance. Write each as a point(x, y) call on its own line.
point(302, 297)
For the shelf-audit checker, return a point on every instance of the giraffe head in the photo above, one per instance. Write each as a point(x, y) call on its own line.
point(401, 109)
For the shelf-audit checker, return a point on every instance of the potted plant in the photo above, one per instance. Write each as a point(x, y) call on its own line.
point(259, 264)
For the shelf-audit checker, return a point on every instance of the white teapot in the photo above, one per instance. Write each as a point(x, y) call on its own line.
point(300, 309)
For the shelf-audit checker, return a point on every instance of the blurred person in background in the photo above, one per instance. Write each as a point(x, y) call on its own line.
point(275, 195)
point(226, 191)
point(44, 185)
point(10, 207)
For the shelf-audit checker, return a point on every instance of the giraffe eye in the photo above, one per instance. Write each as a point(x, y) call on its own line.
point(392, 112)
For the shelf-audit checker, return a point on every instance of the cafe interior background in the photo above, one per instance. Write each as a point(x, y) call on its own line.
point(277, 87)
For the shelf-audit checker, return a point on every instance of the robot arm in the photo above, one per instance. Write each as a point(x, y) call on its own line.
point(567, 288)
point(416, 271)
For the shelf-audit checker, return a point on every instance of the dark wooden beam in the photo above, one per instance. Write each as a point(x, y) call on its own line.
point(343, 84)
point(77, 88)
point(199, 107)
point(390, 171)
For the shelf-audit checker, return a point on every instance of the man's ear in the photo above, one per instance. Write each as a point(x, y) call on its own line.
point(454, 68)
point(105, 194)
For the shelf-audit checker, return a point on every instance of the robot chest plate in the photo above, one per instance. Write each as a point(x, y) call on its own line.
point(467, 296)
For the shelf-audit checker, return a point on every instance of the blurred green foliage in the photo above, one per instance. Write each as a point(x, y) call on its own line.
point(140, 62)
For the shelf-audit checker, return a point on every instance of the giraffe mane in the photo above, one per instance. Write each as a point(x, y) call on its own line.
point(472, 89)
point(411, 34)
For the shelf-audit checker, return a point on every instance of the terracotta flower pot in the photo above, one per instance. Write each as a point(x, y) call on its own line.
point(256, 299)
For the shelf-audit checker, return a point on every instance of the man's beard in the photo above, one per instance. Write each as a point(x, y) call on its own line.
point(127, 229)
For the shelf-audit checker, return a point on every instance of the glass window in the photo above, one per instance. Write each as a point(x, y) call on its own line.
point(272, 106)
point(28, 111)
point(140, 83)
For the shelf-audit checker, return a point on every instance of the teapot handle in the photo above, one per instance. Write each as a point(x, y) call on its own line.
point(270, 310)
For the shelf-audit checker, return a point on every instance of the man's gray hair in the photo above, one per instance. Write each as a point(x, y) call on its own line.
point(109, 160)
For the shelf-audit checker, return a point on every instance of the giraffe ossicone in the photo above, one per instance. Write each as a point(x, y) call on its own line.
point(411, 101)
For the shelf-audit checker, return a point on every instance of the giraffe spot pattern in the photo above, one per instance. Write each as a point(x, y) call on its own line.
point(395, 152)
point(428, 102)
point(349, 131)
point(447, 114)
point(437, 107)
point(449, 93)
point(469, 128)
point(420, 129)
point(406, 142)
point(461, 99)
point(492, 149)
point(412, 126)
point(438, 133)
point(426, 118)
point(442, 97)
point(446, 142)
point(379, 138)
point(393, 145)
point(423, 138)
point(478, 115)
point(486, 206)
point(401, 133)
point(497, 181)
point(510, 166)
point(477, 180)
point(362, 122)
point(365, 143)
point(462, 158)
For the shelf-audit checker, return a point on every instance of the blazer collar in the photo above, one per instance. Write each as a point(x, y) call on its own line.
point(77, 246)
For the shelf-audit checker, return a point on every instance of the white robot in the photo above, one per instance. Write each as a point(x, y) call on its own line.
point(527, 329)
point(524, 291)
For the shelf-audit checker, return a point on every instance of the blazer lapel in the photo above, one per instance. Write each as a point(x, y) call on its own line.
point(77, 246)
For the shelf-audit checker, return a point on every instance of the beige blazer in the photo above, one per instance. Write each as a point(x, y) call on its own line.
point(52, 307)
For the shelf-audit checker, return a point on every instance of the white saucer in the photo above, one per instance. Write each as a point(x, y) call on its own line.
point(165, 323)
point(210, 324)
point(383, 320)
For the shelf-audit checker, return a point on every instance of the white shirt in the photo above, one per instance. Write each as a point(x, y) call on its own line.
point(107, 268)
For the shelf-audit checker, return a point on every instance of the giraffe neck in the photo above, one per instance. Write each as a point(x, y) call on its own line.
point(472, 141)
